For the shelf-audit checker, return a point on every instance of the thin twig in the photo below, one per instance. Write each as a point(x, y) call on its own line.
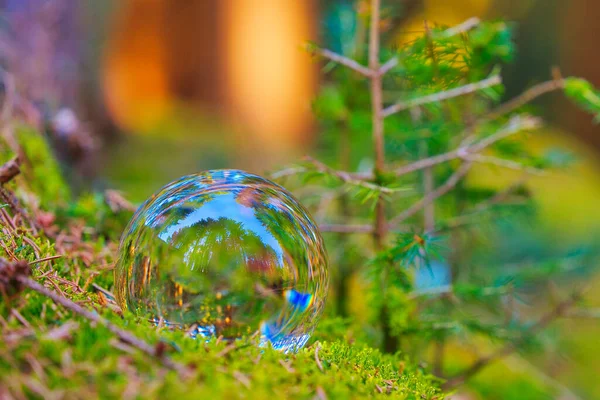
point(9, 170)
point(338, 228)
point(9, 198)
point(441, 96)
point(288, 172)
point(500, 162)
point(515, 125)
point(317, 360)
point(526, 97)
point(347, 178)
point(46, 259)
point(122, 334)
point(17, 273)
point(388, 65)
point(439, 192)
point(463, 27)
point(345, 61)
point(560, 310)
point(482, 206)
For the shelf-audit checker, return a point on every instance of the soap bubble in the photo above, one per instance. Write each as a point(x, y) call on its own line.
point(225, 253)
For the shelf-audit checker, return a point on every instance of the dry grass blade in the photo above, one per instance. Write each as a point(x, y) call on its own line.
point(15, 276)
point(46, 259)
point(317, 360)
point(243, 379)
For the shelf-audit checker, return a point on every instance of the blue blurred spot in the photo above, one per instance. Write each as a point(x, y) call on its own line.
point(436, 275)
point(299, 300)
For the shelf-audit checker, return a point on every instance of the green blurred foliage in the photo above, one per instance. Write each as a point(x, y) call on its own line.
point(585, 95)
point(43, 170)
point(481, 275)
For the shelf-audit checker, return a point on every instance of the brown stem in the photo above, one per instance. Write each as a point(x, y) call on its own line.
point(377, 118)
point(9, 170)
point(376, 87)
point(390, 342)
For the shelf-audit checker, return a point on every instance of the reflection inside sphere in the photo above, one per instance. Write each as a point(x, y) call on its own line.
point(225, 253)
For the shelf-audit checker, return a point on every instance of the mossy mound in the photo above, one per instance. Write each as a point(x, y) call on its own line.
point(47, 351)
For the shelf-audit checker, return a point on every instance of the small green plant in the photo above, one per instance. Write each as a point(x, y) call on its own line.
point(407, 127)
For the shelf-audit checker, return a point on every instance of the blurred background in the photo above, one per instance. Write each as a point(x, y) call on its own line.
point(135, 93)
point(227, 83)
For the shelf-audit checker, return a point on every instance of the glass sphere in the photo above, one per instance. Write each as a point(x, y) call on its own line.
point(225, 253)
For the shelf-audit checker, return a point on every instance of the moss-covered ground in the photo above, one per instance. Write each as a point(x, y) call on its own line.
point(47, 351)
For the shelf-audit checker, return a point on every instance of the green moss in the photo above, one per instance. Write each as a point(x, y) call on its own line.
point(88, 361)
point(95, 212)
point(42, 170)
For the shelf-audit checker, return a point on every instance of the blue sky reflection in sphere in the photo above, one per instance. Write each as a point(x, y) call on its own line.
point(229, 253)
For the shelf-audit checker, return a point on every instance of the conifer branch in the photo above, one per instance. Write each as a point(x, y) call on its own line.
point(467, 153)
point(514, 126)
point(524, 98)
point(343, 60)
point(432, 196)
point(500, 162)
point(483, 206)
point(441, 96)
point(347, 177)
point(463, 27)
point(388, 65)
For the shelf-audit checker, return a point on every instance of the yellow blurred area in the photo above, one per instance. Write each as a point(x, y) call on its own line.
point(134, 73)
point(568, 199)
point(453, 12)
point(271, 79)
point(444, 13)
point(249, 68)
